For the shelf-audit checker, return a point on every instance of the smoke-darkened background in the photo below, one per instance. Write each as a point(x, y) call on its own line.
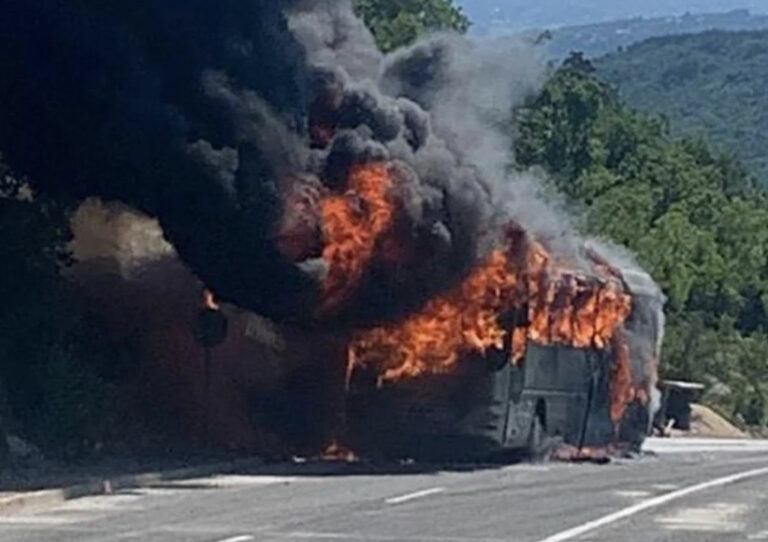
point(212, 116)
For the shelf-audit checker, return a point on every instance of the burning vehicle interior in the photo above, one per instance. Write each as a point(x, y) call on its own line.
point(392, 285)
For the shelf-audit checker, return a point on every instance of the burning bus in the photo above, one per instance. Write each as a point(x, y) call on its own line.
point(360, 201)
point(517, 358)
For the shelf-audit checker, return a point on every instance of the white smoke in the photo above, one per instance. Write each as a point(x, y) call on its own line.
point(115, 234)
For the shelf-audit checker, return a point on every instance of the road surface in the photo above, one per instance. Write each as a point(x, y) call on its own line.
point(693, 490)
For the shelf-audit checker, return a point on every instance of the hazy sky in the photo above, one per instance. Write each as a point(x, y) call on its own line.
point(545, 13)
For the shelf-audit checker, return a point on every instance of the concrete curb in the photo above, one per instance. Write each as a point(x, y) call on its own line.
point(46, 498)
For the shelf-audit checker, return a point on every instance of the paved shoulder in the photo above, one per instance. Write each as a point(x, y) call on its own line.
point(668, 495)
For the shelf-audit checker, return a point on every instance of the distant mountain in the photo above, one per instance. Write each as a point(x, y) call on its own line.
point(510, 16)
point(711, 84)
point(601, 38)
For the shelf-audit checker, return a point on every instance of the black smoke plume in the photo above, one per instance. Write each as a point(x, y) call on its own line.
point(108, 99)
point(212, 115)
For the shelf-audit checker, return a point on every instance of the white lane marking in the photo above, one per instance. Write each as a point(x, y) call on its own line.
point(758, 536)
point(730, 449)
point(416, 495)
point(632, 494)
point(526, 468)
point(655, 502)
point(717, 517)
point(244, 538)
point(700, 445)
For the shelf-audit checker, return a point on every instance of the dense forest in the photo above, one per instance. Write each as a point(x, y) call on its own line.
point(693, 217)
point(54, 365)
point(709, 85)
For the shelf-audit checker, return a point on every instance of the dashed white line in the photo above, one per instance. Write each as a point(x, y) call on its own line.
point(630, 494)
point(244, 538)
point(416, 495)
point(716, 518)
point(702, 445)
point(655, 502)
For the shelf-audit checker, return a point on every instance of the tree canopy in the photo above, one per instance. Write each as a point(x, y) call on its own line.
point(708, 85)
point(693, 218)
point(50, 390)
point(397, 23)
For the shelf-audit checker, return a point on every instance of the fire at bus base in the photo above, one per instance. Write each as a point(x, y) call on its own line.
point(363, 209)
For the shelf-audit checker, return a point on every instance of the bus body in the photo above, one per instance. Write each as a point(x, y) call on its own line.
point(491, 405)
point(484, 409)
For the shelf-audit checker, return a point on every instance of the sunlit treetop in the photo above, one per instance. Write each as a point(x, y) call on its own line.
point(397, 23)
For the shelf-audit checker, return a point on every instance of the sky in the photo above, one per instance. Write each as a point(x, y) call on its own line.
point(523, 14)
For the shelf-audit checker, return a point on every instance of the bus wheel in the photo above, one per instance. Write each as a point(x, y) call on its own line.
point(538, 443)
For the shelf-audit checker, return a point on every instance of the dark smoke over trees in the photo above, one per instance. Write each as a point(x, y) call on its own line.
point(202, 114)
point(50, 351)
point(108, 99)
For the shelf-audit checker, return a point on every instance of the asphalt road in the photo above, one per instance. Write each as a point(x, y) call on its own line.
point(687, 491)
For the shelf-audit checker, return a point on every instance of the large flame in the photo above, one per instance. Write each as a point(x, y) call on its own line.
point(432, 341)
point(353, 224)
point(519, 295)
point(562, 308)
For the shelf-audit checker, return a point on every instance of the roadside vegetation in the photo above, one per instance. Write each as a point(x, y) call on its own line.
point(52, 355)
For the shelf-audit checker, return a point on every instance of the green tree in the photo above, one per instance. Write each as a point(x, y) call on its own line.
point(49, 350)
point(693, 218)
point(397, 23)
point(706, 83)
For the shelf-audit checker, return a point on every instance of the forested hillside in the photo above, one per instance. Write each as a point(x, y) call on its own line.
point(710, 85)
point(515, 15)
point(602, 38)
point(691, 216)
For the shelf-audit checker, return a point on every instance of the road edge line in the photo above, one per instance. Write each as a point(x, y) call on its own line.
point(651, 503)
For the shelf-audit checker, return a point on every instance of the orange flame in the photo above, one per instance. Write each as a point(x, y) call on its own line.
point(353, 224)
point(588, 454)
point(622, 386)
point(550, 303)
point(562, 309)
point(432, 341)
point(338, 452)
point(209, 300)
